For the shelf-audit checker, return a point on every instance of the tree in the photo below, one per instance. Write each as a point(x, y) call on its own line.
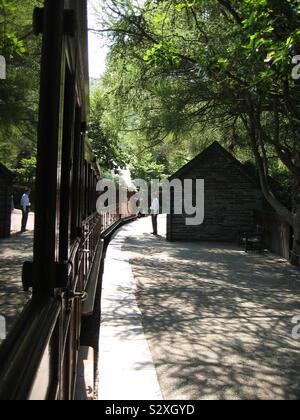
point(104, 142)
point(26, 171)
point(19, 93)
point(189, 65)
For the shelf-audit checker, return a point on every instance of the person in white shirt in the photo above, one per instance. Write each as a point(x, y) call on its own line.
point(25, 205)
point(154, 213)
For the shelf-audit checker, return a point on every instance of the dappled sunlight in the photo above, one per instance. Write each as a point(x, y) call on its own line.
point(229, 280)
point(16, 221)
point(218, 321)
point(233, 358)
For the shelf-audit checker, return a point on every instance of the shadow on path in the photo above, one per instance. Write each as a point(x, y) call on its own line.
point(218, 321)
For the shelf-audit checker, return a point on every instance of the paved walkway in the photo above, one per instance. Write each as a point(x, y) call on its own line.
point(126, 366)
point(218, 322)
point(13, 252)
point(16, 219)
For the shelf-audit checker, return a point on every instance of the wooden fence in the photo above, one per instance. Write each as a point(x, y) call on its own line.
point(278, 233)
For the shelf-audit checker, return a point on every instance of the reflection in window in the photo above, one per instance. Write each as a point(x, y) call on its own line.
point(19, 101)
point(14, 251)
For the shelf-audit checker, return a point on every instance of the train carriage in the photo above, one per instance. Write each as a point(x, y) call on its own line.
point(38, 360)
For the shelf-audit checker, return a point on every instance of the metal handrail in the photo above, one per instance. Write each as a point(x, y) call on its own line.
point(22, 353)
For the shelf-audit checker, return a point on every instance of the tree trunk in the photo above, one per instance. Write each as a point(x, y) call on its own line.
point(292, 218)
point(254, 135)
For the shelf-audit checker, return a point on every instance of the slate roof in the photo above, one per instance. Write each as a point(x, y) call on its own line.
point(208, 153)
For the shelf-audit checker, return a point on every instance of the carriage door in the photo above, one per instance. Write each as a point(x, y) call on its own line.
point(59, 177)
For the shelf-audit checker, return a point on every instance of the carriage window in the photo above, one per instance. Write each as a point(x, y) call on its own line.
point(76, 176)
point(19, 98)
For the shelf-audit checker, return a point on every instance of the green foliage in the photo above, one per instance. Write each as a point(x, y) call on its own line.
point(19, 93)
point(185, 73)
point(26, 171)
point(10, 45)
point(162, 54)
point(282, 185)
point(104, 143)
point(272, 29)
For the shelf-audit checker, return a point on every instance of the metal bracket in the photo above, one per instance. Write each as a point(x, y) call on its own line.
point(77, 295)
point(71, 296)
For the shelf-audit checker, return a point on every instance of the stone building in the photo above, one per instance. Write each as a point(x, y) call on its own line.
point(6, 178)
point(231, 198)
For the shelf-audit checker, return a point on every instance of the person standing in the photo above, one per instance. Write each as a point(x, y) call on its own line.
point(154, 213)
point(25, 205)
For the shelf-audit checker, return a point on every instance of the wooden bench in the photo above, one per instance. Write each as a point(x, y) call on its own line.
point(253, 240)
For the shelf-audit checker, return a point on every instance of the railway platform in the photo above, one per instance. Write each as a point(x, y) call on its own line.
point(196, 321)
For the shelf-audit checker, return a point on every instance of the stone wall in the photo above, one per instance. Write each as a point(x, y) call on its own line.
point(230, 200)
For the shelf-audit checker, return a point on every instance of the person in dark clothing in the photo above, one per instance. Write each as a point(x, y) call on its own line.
point(154, 214)
point(25, 205)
